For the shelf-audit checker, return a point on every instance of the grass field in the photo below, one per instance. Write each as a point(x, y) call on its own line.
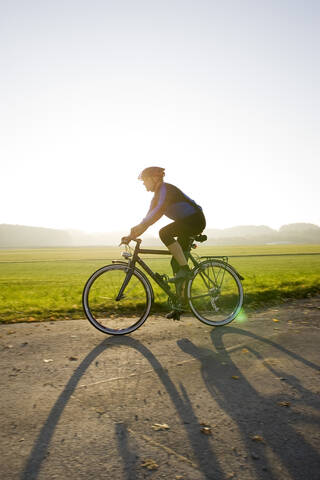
point(43, 284)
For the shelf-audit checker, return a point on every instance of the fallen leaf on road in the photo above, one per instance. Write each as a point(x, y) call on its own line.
point(284, 404)
point(160, 426)
point(150, 464)
point(100, 411)
point(257, 438)
point(206, 430)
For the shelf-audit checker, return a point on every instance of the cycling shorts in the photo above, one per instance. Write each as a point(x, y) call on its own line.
point(183, 229)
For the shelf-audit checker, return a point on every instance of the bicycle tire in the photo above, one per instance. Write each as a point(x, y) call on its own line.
point(215, 293)
point(111, 316)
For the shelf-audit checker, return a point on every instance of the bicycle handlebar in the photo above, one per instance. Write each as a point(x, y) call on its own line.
point(127, 240)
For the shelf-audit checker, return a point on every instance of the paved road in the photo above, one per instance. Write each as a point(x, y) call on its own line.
point(235, 402)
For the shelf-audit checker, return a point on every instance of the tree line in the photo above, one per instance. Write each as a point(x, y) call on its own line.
point(19, 236)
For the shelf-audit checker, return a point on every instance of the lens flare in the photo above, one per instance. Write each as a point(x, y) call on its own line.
point(242, 316)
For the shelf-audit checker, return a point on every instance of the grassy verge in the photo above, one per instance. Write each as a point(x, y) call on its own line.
point(46, 284)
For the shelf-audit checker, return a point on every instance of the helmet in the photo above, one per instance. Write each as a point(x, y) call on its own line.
point(151, 172)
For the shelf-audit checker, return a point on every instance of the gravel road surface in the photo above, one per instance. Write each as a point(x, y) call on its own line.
point(174, 400)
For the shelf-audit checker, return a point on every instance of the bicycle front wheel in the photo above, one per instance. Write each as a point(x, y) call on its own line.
point(110, 312)
point(215, 293)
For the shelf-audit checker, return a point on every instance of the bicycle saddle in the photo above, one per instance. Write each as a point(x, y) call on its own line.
point(200, 238)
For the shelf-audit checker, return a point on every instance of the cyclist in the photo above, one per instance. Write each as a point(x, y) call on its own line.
point(188, 220)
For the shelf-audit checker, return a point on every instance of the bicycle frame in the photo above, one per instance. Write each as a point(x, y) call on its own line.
point(136, 259)
point(154, 275)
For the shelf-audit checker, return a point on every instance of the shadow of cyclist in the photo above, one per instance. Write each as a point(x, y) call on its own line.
point(254, 412)
point(204, 456)
point(127, 454)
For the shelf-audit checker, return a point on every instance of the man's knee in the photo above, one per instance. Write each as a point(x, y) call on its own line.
point(162, 234)
point(165, 236)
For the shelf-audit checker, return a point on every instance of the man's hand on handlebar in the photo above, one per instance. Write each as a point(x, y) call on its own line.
point(135, 232)
point(126, 240)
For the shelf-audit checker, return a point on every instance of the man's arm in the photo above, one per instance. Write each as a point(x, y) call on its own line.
point(135, 232)
point(157, 207)
point(154, 213)
point(138, 230)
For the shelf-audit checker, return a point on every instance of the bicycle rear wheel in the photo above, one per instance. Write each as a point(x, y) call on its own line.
point(112, 315)
point(215, 293)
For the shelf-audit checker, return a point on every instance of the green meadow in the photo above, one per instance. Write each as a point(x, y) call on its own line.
point(47, 284)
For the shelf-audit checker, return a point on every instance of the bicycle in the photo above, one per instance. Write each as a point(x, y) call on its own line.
point(117, 298)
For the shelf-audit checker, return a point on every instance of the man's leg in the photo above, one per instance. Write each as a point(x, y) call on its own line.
point(167, 235)
point(184, 243)
point(184, 229)
point(174, 265)
point(178, 254)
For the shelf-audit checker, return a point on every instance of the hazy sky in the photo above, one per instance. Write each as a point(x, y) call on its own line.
point(223, 94)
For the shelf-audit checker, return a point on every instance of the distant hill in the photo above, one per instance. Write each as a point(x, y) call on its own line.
point(242, 231)
point(257, 235)
point(19, 236)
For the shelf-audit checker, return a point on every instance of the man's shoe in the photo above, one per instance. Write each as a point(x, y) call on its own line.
point(184, 273)
point(174, 314)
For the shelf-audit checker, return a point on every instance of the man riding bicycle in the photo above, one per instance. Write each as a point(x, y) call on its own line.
point(188, 220)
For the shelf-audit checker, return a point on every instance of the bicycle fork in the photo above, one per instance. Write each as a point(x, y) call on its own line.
point(127, 279)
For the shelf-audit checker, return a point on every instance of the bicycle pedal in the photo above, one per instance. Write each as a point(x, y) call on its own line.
point(174, 314)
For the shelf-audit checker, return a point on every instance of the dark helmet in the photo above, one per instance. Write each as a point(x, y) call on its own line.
point(151, 172)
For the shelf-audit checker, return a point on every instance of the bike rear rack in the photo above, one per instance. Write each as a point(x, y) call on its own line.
point(224, 258)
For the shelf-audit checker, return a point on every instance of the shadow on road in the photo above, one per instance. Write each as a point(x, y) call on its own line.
point(203, 453)
point(260, 414)
point(128, 456)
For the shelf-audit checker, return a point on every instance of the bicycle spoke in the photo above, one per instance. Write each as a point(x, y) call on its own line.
point(202, 295)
